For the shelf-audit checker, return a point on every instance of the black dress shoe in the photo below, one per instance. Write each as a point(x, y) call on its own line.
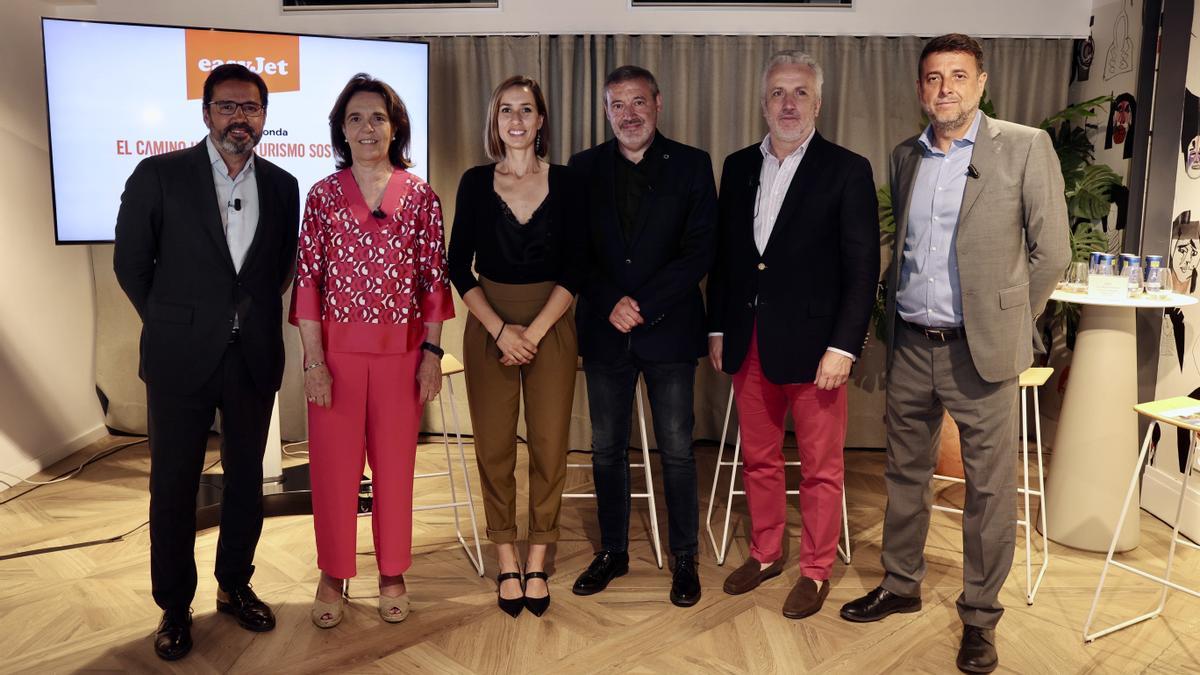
point(685, 581)
point(537, 605)
point(877, 604)
point(250, 612)
point(606, 566)
point(173, 639)
point(511, 606)
point(977, 653)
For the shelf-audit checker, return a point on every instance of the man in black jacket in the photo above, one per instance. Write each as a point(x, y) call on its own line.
point(205, 247)
point(789, 302)
point(651, 228)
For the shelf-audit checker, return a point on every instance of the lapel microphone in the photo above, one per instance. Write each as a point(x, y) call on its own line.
point(972, 171)
point(236, 204)
point(378, 213)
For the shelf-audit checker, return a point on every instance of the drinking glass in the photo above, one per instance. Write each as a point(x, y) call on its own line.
point(1077, 277)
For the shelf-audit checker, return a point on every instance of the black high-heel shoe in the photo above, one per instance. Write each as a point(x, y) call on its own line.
point(538, 605)
point(511, 606)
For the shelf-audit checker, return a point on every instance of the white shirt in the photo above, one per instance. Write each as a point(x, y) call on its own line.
point(239, 224)
point(774, 179)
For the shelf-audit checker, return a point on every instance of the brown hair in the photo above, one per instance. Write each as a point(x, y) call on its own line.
point(952, 42)
point(397, 115)
point(492, 144)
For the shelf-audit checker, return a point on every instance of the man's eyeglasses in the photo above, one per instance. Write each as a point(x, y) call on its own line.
point(230, 108)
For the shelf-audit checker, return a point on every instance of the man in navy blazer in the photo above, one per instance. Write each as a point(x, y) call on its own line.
point(789, 302)
point(205, 246)
point(651, 222)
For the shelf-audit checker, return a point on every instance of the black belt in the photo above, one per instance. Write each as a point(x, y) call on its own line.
point(935, 334)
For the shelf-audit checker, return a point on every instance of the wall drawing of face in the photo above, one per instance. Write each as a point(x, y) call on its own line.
point(1185, 254)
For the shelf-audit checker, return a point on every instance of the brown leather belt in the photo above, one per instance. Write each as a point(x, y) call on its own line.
point(935, 334)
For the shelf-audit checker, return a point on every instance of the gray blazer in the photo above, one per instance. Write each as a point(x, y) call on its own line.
point(1012, 241)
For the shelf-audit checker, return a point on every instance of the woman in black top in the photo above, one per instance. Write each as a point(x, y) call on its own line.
point(518, 220)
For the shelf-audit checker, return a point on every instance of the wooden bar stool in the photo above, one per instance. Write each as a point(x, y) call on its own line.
point(1027, 384)
point(648, 494)
point(451, 366)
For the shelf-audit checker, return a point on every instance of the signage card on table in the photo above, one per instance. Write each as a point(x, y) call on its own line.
point(1109, 288)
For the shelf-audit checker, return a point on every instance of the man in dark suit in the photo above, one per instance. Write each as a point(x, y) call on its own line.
point(651, 228)
point(981, 240)
point(205, 246)
point(789, 302)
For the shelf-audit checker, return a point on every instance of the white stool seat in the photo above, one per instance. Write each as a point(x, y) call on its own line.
point(722, 549)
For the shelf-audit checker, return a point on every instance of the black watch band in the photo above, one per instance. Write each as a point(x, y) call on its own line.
point(433, 349)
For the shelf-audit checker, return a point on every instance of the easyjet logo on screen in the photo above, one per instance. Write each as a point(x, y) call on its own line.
point(275, 57)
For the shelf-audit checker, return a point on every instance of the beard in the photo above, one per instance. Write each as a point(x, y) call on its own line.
point(964, 117)
point(228, 144)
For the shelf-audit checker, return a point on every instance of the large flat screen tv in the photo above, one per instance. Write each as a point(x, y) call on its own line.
point(118, 93)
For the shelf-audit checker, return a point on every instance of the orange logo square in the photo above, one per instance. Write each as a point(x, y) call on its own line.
point(275, 57)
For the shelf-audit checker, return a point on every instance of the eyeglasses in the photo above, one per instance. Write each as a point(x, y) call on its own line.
point(248, 108)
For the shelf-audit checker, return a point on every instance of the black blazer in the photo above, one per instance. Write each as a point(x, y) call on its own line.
point(661, 267)
point(173, 262)
point(815, 283)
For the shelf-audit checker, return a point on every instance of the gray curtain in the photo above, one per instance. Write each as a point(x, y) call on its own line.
point(710, 86)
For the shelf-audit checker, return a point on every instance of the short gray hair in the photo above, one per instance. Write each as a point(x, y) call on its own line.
point(792, 57)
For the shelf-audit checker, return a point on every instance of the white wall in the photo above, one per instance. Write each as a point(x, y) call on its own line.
point(48, 405)
point(984, 18)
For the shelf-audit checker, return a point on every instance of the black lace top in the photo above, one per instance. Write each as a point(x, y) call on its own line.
point(547, 247)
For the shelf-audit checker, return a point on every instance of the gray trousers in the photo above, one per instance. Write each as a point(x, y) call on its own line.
point(926, 377)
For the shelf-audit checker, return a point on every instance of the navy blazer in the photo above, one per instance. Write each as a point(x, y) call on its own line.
point(814, 285)
point(172, 260)
point(660, 267)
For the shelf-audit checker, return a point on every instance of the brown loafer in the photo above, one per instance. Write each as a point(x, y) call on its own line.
point(806, 598)
point(747, 577)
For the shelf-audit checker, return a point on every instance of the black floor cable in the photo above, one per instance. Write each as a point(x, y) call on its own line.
point(93, 542)
point(96, 542)
point(107, 453)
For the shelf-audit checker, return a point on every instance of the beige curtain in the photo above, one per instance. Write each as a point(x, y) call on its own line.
point(710, 87)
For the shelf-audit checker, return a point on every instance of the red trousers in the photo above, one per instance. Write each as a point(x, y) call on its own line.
point(819, 418)
point(374, 417)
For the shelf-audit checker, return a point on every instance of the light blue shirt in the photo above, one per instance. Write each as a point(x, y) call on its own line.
point(929, 292)
point(239, 223)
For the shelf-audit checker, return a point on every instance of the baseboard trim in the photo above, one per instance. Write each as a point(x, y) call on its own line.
point(39, 463)
point(1160, 496)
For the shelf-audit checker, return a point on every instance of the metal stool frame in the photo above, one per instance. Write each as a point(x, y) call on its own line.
point(648, 495)
point(722, 549)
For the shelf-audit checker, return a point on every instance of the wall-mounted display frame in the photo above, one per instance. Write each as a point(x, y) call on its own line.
point(843, 4)
point(313, 5)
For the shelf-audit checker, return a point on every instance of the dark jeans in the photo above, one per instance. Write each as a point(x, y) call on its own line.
point(610, 389)
point(179, 427)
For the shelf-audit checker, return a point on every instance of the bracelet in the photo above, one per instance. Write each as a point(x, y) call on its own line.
point(310, 366)
point(433, 349)
point(503, 325)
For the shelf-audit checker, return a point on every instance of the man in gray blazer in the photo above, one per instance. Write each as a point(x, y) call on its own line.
point(981, 240)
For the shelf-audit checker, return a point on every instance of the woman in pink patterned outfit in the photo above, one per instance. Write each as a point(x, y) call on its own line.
point(370, 297)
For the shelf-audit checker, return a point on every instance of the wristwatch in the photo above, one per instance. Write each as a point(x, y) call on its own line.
point(433, 349)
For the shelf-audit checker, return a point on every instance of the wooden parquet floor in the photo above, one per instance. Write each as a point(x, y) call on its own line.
point(89, 609)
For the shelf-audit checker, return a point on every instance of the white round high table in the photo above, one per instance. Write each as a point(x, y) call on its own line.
point(1096, 443)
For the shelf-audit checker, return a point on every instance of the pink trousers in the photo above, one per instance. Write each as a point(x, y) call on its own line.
point(819, 418)
point(373, 418)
